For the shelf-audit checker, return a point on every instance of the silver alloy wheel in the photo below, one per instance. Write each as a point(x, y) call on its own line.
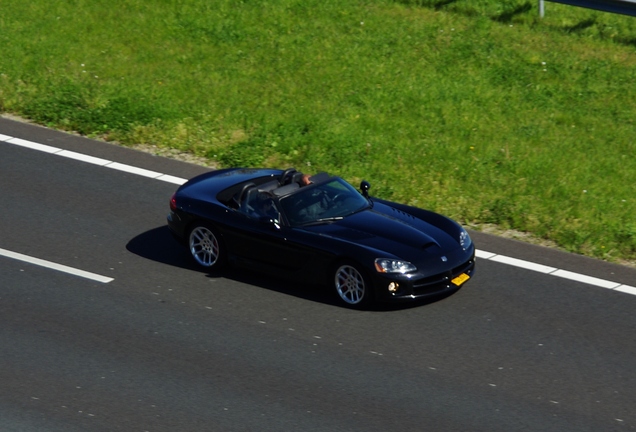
point(350, 284)
point(204, 246)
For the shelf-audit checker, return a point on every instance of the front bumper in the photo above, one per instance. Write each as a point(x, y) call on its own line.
point(415, 286)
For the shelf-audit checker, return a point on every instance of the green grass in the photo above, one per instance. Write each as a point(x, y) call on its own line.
point(477, 109)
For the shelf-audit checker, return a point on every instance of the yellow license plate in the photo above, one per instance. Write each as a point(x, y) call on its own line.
point(459, 280)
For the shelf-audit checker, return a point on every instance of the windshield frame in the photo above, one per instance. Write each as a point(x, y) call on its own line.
point(325, 202)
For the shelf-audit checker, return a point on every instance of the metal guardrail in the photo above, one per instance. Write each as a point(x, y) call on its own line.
point(625, 7)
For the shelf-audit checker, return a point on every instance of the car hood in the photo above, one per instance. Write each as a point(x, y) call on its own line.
point(386, 229)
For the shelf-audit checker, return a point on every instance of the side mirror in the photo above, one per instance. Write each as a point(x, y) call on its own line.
point(364, 187)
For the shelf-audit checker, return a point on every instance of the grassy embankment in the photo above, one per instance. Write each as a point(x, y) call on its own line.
point(476, 109)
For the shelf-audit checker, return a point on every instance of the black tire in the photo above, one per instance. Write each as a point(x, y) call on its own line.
point(351, 285)
point(204, 243)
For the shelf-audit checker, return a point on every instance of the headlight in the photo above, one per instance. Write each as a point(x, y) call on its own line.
point(464, 239)
point(388, 265)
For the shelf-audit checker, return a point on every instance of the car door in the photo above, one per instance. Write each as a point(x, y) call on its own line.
point(260, 239)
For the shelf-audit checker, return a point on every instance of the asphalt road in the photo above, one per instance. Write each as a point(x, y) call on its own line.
point(164, 346)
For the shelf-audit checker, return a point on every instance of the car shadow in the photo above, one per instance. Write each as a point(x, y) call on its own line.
point(160, 246)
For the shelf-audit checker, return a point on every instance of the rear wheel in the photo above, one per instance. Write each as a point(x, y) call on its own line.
point(351, 286)
point(205, 246)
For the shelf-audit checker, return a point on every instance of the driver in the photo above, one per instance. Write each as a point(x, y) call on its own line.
point(264, 207)
point(305, 180)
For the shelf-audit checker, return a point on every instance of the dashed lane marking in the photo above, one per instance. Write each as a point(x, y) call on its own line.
point(55, 266)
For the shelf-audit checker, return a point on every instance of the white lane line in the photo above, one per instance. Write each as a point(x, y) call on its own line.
point(33, 145)
point(92, 160)
point(134, 170)
point(82, 157)
point(55, 266)
point(523, 264)
point(172, 179)
point(626, 289)
point(483, 254)
point(586, 279)
point(528, 265)
point(578, 277)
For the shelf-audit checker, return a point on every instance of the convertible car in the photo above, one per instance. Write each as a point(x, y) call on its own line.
point(320, 229)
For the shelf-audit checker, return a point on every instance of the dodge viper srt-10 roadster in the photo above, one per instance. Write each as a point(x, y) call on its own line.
point(320, 229)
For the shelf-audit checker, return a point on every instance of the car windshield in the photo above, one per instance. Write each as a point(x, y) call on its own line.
point(324, 202)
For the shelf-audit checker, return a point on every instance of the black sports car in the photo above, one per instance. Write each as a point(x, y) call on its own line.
point(320, 229)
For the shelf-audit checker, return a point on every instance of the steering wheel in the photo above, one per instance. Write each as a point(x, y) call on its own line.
point(341, 196)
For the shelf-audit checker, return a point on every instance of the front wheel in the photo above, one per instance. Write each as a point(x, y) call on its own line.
point(351, 286)
point(205, 247)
